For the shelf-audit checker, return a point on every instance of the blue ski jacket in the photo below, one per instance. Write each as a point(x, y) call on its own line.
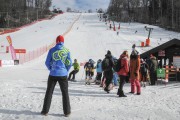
point(99, 67)
point(58, 60)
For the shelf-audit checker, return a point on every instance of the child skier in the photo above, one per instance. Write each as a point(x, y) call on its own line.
point(99, 71)
point(89, 66)
point(76, 70)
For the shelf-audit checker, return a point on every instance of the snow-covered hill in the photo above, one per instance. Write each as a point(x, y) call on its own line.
point(23, 87)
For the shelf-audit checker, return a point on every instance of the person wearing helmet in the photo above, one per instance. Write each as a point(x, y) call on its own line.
point(89, 66)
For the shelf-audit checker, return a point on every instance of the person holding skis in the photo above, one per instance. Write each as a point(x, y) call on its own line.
point(107, 67)
point(76, 70)
point(134, 72)
point(58, 62)
point(123, 73)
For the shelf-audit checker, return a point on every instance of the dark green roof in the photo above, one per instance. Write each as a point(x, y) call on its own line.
point(161, 47)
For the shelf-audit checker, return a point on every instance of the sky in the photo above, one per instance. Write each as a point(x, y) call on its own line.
point(82, 5)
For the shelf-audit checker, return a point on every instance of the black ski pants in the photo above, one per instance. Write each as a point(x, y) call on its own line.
point(63, 83)
point(73, 73)
point(88, 73)
point(122, 82)
point(153, 77)
point(109, 76)
point(98, 76)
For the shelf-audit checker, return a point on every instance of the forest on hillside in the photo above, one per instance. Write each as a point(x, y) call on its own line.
point(14, 13)
point(164, 13)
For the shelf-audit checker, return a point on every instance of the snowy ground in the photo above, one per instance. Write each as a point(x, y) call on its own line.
point(23, 87)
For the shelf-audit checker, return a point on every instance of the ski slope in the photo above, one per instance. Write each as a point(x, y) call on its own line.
point(23, 87)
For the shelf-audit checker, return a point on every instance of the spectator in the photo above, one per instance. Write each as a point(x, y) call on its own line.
point(58, 62)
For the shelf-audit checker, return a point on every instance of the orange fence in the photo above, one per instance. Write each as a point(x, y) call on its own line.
point(31, 55)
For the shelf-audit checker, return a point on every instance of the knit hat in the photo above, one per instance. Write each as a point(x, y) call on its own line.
point(59, 39)
point(109, 52)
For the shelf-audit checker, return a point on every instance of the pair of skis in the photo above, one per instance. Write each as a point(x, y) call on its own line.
point(89, 80)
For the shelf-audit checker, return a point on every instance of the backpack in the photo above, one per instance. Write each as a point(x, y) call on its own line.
point(143, 68)
point(105, 64)
point(117, 65)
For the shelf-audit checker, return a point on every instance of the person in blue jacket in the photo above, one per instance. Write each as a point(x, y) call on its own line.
point(99, 71)
point(58, 62)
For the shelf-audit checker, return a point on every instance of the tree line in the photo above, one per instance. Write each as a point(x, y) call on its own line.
point(15, 13)
point(164, 13)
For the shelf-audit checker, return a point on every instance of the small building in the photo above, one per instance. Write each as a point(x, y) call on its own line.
point(167, 54)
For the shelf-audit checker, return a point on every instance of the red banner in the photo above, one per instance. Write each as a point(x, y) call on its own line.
point(20, 50)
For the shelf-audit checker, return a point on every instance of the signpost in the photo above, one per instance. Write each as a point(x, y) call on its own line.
point(160, 73)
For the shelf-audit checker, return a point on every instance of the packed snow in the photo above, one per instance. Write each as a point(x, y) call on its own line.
point(23, 86)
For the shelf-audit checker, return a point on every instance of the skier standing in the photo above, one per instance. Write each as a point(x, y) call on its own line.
point(123, 73)
point(153, 67)
point(58, 62)
point(99, 71)
point(89, 66)
point(134, 72)
point(107, 66)
point(76, 70)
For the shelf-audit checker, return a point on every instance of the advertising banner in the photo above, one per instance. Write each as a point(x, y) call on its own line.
point(7, 63)
point(20, 50)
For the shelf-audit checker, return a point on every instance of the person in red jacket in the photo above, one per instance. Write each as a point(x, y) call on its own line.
point(123, 73)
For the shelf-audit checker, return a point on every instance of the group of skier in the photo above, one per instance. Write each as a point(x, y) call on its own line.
point(132, 69)
point(59, 62)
